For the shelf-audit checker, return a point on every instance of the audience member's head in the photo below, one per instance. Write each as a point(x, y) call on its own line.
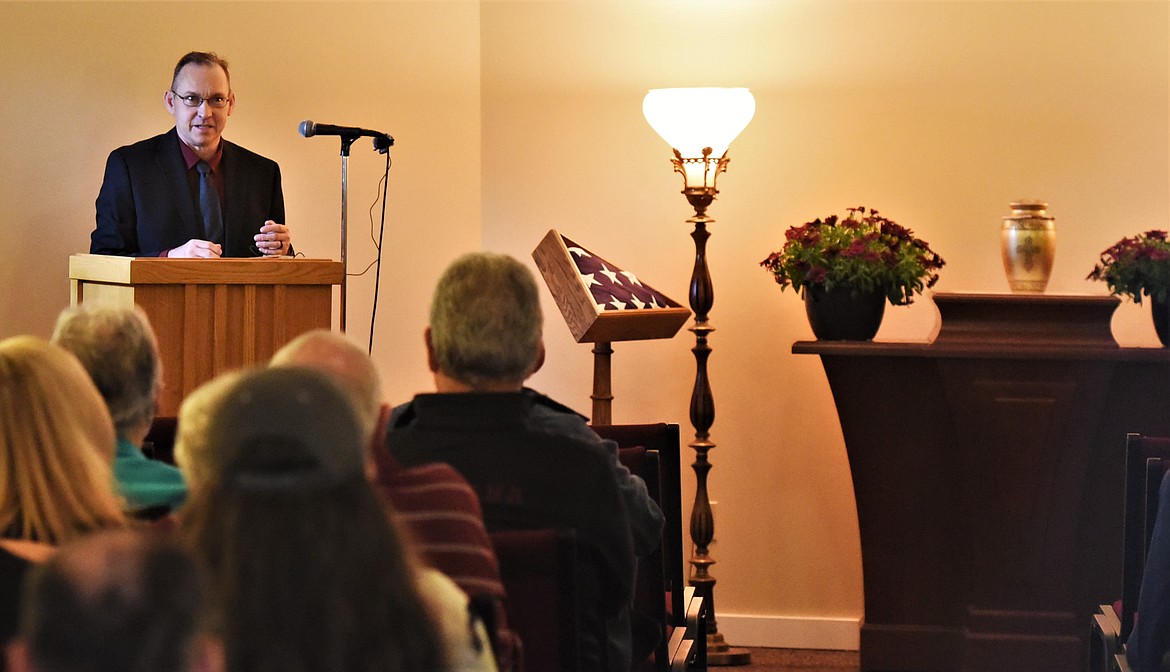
point(310, 572)
point(192, 452)
point(485, 330)
point(118, 348)
point(117, 601)
point(56, 446)
point(346, 364)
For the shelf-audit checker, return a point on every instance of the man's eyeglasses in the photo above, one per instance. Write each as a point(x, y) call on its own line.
point(195, 101)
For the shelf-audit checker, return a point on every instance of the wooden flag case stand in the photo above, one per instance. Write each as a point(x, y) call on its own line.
point(593, 323)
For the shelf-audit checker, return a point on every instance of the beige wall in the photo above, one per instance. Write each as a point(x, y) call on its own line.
point(516, 117)
point(938, 114)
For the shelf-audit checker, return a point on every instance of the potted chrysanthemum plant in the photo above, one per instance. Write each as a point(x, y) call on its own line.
point(846, 268)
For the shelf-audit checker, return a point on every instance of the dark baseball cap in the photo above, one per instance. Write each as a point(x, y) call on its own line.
point(286, 428)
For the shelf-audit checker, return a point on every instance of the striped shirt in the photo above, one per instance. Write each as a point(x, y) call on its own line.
point(439, 509)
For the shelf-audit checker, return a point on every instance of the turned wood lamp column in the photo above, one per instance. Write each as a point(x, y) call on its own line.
point(699, 124)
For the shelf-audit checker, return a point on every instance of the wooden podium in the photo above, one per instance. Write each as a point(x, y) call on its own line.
point(988, 469)
point(211, 315)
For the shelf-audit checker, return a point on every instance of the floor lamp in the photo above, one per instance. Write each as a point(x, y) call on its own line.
point(699, 124)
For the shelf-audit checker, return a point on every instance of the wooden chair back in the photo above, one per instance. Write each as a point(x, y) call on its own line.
point(539, 571)
point(651, 451)
point(1146, 460)
point(651, 616)
point(159, 443)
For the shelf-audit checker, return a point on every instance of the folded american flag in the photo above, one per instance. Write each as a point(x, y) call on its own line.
point(611, 287)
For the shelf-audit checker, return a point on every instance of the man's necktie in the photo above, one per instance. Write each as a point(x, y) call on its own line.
point(209, 204)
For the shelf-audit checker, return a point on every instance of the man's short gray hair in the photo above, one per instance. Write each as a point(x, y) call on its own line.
point(117, 347)
point(486, 320)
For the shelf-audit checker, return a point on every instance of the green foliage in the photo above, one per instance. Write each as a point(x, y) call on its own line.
point(863, 252)
point(1136, 266)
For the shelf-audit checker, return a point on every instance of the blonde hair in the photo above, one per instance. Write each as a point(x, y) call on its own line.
point(56, 446)
point(192, 454)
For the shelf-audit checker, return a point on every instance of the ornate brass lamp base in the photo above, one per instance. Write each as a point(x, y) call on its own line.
point(720, 654)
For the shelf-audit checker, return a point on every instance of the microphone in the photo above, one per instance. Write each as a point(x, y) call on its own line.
point(310, 128)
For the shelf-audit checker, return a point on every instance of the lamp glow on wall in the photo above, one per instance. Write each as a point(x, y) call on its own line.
point(699, 124)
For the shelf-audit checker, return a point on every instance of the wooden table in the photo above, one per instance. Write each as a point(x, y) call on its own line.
point(988, 472)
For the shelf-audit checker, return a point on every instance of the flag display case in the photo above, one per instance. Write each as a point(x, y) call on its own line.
point(600, 301)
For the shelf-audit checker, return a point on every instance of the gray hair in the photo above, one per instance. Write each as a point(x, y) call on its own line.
point(118, 348)
point(347, 364)
point(486, 320)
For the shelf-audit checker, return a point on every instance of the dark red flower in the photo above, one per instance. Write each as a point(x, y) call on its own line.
point(862, 250)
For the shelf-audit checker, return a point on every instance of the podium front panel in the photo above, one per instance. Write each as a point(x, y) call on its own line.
point(212, 315)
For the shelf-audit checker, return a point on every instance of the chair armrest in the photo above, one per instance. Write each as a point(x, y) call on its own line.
point(680, 649)
point(1103, 645)
point(696, 627)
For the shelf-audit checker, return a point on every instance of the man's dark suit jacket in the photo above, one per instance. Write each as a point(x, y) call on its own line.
point(145, 205)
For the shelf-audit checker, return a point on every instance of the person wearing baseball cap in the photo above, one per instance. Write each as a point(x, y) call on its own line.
point(308, 567)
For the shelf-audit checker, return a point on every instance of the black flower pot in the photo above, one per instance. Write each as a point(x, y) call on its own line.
point(843, 314)
point(1160, 311)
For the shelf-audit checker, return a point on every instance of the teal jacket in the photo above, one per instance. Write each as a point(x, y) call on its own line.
point(146, 483)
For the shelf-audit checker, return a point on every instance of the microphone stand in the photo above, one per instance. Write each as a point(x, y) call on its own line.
point(346, 141)
point(382, 143)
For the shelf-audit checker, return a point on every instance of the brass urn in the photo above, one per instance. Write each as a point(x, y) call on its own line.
point(1028, 240)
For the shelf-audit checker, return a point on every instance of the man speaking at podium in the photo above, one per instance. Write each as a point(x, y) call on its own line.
point(187, 192)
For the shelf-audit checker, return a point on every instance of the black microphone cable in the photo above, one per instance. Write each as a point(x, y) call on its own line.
point(378, 270)
point(384, 183)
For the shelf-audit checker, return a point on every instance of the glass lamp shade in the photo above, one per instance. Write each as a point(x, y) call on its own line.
point(690, 120)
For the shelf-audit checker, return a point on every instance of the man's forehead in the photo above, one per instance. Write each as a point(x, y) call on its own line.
point(194, 76)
